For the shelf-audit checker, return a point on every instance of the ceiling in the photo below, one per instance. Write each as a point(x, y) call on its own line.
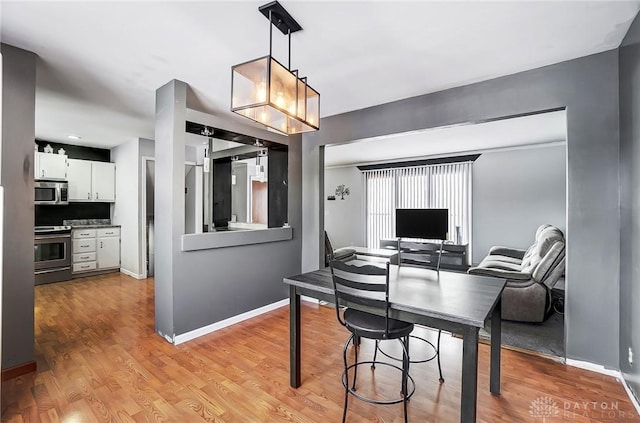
point(101, 62)
point(525, 131)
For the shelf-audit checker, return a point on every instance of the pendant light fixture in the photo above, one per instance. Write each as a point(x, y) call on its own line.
point(269, 93)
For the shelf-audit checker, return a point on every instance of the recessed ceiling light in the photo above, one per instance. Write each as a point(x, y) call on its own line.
point(74, 137)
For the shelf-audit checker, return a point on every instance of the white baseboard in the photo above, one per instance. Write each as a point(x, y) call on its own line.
point(309, 299)
point(609, 372)
point(179, 339)
point(632, 397)
point(593, 367)
point(132, 274)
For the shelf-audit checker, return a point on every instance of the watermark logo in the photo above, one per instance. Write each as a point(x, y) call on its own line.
point(544, 407)
point(547, 408)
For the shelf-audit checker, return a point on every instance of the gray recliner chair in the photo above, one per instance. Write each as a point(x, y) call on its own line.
point(530, 274)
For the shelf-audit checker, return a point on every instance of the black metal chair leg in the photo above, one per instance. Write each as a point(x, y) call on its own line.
point(405, 373)
point(375, 354)
point(438, 357)
point(355, 369)
point(346, 375)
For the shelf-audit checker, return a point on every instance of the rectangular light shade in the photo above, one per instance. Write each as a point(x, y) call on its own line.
point(267, 92)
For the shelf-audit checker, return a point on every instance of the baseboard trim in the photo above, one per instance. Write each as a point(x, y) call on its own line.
point(630, 394)
point(20, 370)
point(132, 274)
point(179, 339)
point(309, 299)
point(593, 367)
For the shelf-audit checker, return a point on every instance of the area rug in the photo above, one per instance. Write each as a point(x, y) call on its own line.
point(545, 338)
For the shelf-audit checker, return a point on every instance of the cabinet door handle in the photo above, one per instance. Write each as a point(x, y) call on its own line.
point(88, 196)
point(96, 195)
point(43, 173)
point(100, 244)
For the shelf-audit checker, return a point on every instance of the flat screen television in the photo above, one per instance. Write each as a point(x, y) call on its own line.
point(422, 223)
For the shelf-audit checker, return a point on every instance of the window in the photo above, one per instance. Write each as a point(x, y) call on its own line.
point(446, 186)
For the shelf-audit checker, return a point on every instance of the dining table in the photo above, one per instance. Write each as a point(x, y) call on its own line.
point(452, 301)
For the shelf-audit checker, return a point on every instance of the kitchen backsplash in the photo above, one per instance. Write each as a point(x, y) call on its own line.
point(55, 215)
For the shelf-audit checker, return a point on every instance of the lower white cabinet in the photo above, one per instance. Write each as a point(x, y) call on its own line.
point(108, 251)
point(95, 249)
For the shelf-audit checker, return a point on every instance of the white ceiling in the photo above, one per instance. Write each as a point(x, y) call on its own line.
point(523, 131)
point(101, 62)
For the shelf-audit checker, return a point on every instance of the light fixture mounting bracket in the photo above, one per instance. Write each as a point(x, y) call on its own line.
point(280, 18)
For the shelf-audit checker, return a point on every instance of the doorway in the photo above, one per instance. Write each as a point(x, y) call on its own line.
point(148, 209)
point(503, 209)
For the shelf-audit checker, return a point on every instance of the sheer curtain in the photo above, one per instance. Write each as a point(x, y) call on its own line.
point(445, 186)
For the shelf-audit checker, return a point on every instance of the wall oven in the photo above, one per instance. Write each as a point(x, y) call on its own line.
point(53, 193)
point(52, 254)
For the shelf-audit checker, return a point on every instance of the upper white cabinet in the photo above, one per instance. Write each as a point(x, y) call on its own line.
point(79, 177)
point(103, 181)
point(50, 166)
point(91, 181)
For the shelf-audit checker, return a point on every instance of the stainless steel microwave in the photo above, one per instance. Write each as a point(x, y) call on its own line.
point(52, 193)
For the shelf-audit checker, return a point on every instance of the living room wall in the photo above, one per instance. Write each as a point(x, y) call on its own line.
point(345, 219)
point(587, 88)
point(514, 192)
point(629, 60)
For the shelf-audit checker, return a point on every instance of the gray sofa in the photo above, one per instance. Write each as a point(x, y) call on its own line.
point(530, 274)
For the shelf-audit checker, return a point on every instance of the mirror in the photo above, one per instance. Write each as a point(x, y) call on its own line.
point(229, 187)
point(249, 190)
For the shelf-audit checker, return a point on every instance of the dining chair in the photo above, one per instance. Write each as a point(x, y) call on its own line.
point(400, 260)
point(366, 287)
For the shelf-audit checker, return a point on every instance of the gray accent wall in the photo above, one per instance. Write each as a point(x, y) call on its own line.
point(18, 135)
point(514, 192)
point(588, 88)
point(345, 220)
point(630, 206)
point(171, 101)
point(197, 288)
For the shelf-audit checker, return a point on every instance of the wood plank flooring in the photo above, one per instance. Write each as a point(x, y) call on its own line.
point(99, 360)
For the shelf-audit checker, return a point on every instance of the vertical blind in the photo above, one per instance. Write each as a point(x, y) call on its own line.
point(441, 186)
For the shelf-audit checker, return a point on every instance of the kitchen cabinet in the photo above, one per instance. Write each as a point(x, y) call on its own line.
point(92, 181)
point(95, 250)
point(103, 181)
point(108, 246)
point(50, 166)
point(79, 178)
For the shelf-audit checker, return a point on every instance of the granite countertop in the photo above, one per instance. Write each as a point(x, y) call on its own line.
point(95, 226)
point(90, 223)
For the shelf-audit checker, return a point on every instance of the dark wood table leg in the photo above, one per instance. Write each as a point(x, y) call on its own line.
point(496, 341)
point(294, 338)
point(469, 375)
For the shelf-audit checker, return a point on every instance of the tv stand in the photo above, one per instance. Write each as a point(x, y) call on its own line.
point(427, 262)
point(431, 254)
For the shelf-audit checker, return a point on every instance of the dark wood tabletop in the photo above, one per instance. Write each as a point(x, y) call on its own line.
point(452, 301)
point(456, 297)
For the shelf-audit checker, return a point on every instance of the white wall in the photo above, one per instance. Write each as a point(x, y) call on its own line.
point(514, 192)
point(344, 220)
point(127, 206)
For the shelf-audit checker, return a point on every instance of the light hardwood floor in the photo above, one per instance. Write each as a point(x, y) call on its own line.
point(99, 360)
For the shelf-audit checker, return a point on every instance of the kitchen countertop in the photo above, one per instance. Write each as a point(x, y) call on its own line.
point(94, 226)
point(90, 223)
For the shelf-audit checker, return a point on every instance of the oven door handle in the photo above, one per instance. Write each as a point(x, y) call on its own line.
point(57, 269)
point(51, 236)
